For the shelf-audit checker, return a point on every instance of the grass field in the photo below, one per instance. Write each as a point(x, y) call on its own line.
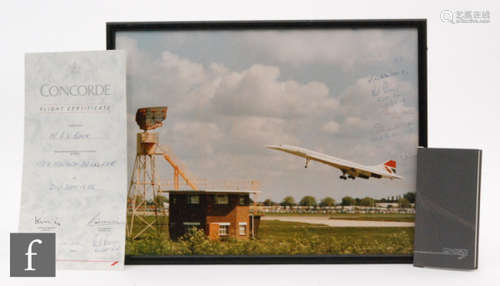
point(282, 238)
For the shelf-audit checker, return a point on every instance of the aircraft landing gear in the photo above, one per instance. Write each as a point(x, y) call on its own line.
point(352, 177)
point(343, 176)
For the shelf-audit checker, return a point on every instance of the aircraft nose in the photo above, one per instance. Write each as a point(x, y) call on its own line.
point(272, 146)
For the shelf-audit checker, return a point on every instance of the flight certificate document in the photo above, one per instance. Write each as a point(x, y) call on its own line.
point(75, 148)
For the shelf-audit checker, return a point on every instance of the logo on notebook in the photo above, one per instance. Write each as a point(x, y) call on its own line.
point(461, 253)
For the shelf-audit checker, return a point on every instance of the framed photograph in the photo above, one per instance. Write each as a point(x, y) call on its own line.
point(273, 141)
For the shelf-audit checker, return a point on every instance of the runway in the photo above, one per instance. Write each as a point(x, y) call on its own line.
point(339, 222)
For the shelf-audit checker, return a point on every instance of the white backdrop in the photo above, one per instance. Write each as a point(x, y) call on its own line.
point(463, 70)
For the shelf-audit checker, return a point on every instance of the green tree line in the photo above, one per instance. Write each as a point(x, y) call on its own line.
point(310, 201)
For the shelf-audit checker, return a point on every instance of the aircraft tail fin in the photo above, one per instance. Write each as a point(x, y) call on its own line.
point(390, 166)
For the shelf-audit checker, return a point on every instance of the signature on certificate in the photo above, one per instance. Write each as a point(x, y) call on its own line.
point(98, 221)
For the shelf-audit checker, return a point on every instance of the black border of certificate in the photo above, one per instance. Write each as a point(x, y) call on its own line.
point(419, 24)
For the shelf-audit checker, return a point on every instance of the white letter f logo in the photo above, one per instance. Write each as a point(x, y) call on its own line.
point(30, 254)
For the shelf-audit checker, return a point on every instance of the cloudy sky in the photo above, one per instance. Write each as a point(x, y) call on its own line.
point(351, 94)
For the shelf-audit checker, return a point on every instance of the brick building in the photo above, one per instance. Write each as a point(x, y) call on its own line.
point(220, 213)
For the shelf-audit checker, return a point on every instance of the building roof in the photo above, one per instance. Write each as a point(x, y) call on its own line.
point(214, 191)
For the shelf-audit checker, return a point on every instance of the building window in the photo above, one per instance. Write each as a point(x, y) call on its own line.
point(191, 226)
point(223, 229)
point(193, 199)
point(243, 228)
point(221, 199)
point(243, 200)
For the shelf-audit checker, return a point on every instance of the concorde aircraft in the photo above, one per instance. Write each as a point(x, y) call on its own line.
point(349, 169)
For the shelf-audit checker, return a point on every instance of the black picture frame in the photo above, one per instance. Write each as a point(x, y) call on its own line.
point(112, 28)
